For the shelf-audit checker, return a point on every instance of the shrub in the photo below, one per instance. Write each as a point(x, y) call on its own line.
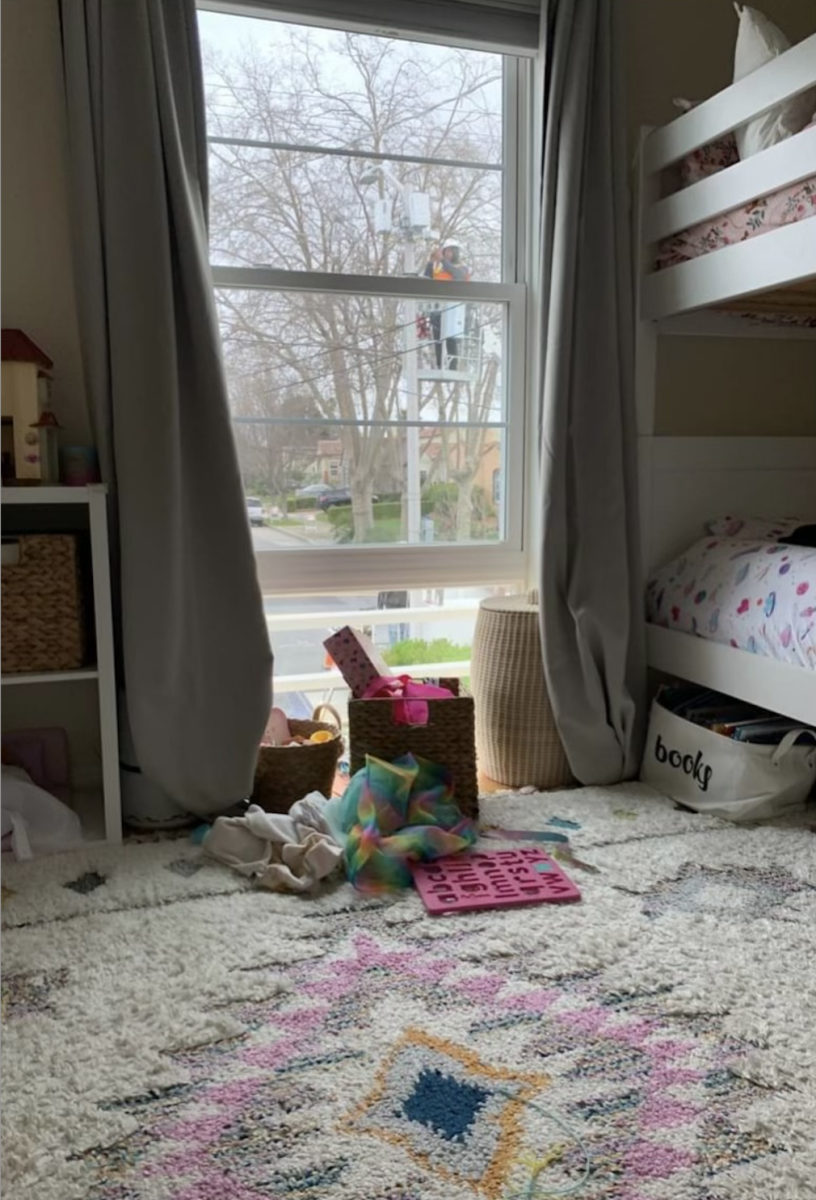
point(300, 503)
point(387, 525)
point(416, 651)
point(438, 495)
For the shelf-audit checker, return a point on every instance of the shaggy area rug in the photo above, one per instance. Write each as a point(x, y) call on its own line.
point(169, 1033)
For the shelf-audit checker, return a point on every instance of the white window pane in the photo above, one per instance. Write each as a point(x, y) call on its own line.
point(350, 153)
point(454, 502)
point(368, 419)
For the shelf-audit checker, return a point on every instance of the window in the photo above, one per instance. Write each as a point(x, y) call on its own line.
point(366, 237)
point(430, 631)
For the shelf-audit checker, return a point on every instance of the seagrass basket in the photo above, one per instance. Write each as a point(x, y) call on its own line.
point(516, 735)
point(285, 774)
point(43, 610)
point(447, 739)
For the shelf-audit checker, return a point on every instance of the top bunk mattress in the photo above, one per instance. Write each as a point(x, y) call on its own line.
point(794, 203)
point(756, 596)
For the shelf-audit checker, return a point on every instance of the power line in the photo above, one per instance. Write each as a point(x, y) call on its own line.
point(352, 152)
point(374, 422)
point(382, 332)
point(327, 375)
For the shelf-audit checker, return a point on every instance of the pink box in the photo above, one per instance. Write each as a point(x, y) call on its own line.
point(43, 753)
point(357, 659)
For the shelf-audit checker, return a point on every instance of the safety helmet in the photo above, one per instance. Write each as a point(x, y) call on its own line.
point(451, 244)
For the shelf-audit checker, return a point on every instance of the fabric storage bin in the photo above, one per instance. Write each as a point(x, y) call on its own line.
point(448, 739)
point(717, 775)
point(516, 736)
point(285, 774)
point(43, 609)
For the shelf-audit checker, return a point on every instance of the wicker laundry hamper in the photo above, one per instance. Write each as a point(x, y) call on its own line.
point(285, 774)
point(43, 610)
point(516, 737)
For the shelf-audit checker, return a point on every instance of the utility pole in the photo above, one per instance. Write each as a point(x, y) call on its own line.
point(414, 219)
point(413, 490)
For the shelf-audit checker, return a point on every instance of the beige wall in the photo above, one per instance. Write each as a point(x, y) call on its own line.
point(37, 275)
point(714, 386)
point(686, 48)
point(736, 386)
point(38, 296)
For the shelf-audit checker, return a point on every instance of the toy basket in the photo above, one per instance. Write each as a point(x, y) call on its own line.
point(285, 774)
point(516, 734)
point(447, 739)
point(43, 611)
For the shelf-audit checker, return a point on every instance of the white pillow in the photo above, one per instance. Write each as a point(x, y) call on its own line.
point(758, 42)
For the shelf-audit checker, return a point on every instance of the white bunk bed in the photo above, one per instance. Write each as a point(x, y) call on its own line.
point(684, 481)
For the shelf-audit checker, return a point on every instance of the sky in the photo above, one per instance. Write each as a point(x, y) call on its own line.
point(229, 33)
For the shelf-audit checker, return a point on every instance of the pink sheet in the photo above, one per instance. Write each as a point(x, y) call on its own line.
point(794, 203)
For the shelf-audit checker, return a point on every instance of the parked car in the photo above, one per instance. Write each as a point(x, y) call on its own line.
point(312, 489)
point(255, 511)
point(336, 496)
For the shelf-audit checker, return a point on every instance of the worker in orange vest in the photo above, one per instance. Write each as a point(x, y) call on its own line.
point(445, 265)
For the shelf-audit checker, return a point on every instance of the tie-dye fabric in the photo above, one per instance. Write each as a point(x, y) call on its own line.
point(393, 814)
point(757, 596)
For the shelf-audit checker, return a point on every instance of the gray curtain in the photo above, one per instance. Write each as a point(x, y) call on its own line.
point(590, 582)
point(193, 641)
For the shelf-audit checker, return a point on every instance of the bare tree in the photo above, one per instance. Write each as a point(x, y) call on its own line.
point(305, 209)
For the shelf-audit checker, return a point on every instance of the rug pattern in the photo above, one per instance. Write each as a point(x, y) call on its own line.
point(611, 1081)
point(627, 1048)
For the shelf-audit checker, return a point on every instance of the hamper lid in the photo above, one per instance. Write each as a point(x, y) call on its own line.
point(526, 603)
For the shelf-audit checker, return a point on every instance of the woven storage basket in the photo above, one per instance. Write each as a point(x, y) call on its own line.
point(448, 739)
point(516, 734)
point(43, 612)
point(285, 774)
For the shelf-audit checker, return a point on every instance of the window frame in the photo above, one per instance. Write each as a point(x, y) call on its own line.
point(350, 568)
point(448, 28)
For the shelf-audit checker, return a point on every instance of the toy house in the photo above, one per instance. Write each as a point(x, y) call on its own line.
point(26, 392)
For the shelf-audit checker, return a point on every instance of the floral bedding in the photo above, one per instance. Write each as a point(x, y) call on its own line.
point(756, 596)
point(794, 203)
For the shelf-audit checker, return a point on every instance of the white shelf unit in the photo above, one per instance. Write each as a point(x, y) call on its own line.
point(51, 677)
point(94, 498)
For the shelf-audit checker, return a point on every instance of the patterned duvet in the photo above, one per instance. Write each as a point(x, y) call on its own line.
point(757, 596)
point(794, 203)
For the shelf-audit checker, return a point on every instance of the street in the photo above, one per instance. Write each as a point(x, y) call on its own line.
point(300, 651)
point(267, 537)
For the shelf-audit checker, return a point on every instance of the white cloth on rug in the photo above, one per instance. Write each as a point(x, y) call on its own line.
point(35, 821)
point(284, 852)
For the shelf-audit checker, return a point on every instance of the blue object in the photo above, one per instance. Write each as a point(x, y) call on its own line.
point(445, 1104)
point(525, 835)
point(563, 823)
point(198, 834)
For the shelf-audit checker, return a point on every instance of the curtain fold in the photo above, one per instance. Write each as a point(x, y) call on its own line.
point(192, 636)
point(590, 577)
